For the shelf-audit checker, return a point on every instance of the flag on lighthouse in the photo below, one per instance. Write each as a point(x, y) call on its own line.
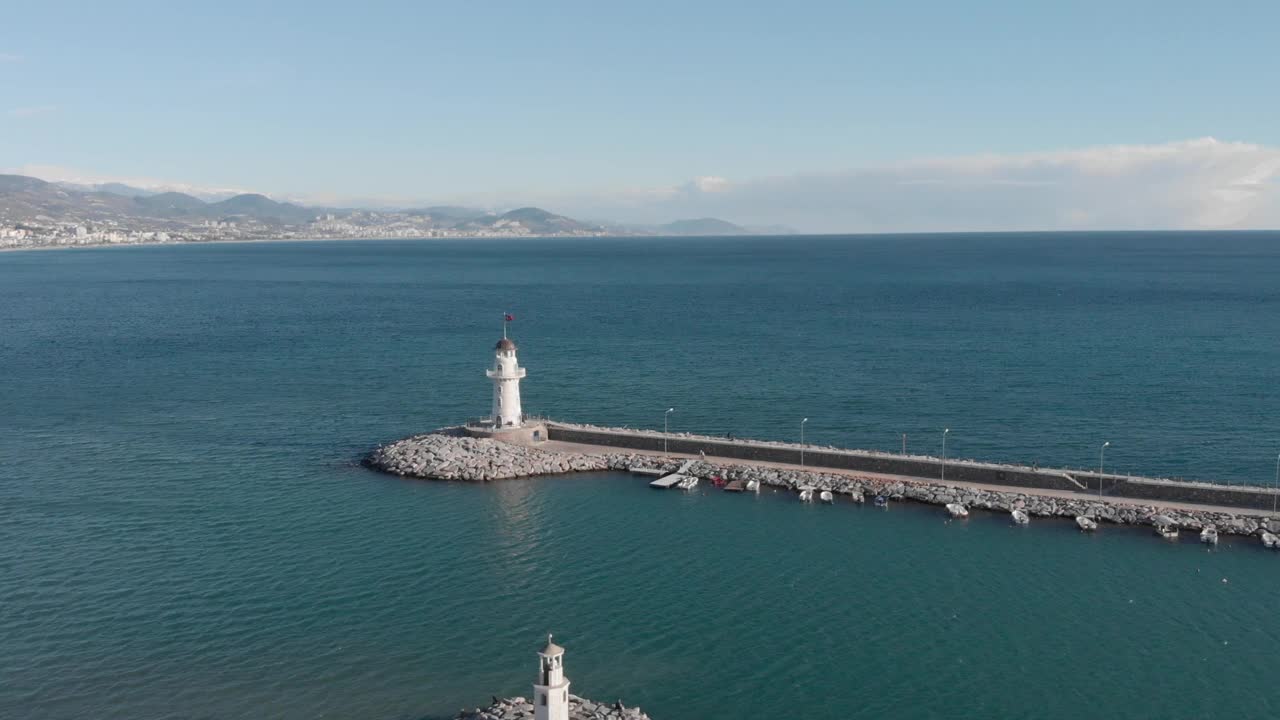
point(509, 317)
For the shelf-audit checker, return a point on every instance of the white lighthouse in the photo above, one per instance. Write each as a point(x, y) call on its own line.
point(506, 374)
point(551, 692)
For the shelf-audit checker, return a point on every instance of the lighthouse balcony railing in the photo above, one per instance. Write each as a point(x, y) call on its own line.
point(486, 421)
point(508, 376)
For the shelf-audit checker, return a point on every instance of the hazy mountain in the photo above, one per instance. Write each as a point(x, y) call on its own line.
point(25, 198)
point(122, 189)
point(171, 204)
point(701, 226)
point(451, 213)
point(261, 207)
point(692, 227)
point(536, 220)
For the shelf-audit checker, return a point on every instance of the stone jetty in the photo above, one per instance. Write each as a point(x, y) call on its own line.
point(449, 455)
point(517, 708)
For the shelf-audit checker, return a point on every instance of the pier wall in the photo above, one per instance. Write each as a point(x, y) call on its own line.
point(926, 468)
point(1243, 496)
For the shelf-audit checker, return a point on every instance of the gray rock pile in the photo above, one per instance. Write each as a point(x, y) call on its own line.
point(938, 494)
point(517, 708)
point(448, 455)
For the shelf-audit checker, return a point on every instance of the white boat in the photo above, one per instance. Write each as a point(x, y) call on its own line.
point(1270, 541)
point(1209, 535)
point(753, 486)
point(826, 497)
point(688, 483)
point(957, 510)
point(1020, 516)
point(1165, 527)
point(1086, 523)
point(857, 496)
point(806, 495)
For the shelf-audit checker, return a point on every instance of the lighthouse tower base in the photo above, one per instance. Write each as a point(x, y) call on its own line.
point(527, 434)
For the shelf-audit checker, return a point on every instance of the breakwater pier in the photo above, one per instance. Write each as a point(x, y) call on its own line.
point(455, 454)
point(569, 436)
point(508, 444)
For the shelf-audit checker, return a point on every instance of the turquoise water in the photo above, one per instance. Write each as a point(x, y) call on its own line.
point(184, 531)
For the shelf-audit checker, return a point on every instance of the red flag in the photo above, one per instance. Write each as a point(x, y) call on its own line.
point(510, 317)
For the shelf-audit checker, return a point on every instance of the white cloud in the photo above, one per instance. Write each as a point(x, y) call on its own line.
point(31, 111)
point(58, 173)
point(1202, 183)
point(710, 184)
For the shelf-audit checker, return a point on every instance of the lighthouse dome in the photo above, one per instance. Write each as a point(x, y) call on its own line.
point(505, 344)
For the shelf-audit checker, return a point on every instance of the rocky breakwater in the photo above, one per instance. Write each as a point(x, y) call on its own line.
point(517, 708)
point(936, 493)
point(449, 455)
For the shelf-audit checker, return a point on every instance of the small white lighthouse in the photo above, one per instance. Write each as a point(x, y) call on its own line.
point(551, 692)
point(506, 374)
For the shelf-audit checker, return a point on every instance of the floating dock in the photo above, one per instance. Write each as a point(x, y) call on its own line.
point(735, 486)
point(652, 472)
point(669, 481)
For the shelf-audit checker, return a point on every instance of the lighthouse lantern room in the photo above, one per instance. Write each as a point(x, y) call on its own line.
point(551, 692)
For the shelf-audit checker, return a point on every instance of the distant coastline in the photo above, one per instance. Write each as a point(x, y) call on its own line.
point(35, 213)
point(254, 241)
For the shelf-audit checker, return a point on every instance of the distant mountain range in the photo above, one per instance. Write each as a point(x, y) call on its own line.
point(24, 199)
point(27, 199)
point(702, 226)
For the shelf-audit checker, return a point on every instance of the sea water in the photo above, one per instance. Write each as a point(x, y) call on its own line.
point(185, 530)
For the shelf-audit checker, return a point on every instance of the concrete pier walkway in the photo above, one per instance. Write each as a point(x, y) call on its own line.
point(1119, 501)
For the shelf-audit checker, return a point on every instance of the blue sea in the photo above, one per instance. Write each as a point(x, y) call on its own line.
point(185, 530)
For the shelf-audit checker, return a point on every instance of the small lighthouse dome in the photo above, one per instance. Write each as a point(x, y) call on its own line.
point(505, 344)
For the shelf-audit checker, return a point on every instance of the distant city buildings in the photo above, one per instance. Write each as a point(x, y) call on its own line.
point(50, 232)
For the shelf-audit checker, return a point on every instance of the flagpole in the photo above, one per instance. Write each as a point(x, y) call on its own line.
point(504, 326)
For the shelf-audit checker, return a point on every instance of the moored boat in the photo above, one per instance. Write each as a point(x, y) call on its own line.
point(806, 495)
point(957, 510)
point(1209, 535)
point(1086, 523)
point(826, 497)
point(688, 483)
point(881, 501)
point(1020, 516)
point(1270, 540)
point(1166, 527)
point(857, 496)
point(753, 485)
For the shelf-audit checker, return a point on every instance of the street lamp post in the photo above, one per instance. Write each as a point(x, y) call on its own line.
point(904, 443)
point(802, 422)
point(665, 415)
point(1102, 454)
point(945, 431)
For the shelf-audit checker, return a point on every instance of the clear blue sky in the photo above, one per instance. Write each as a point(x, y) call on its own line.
point(439, 99)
